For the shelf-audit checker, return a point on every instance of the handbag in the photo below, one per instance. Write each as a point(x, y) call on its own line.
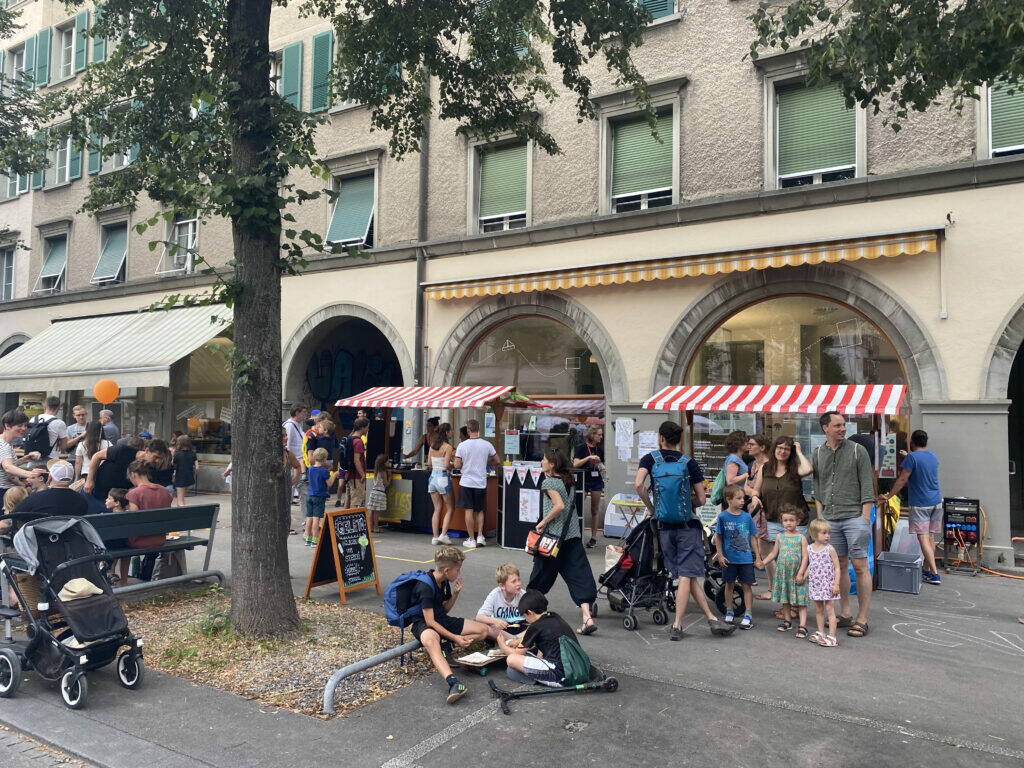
point(544, 544)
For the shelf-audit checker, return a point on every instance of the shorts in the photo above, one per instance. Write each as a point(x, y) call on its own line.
point(683, 551)
point(439, 482)
point(315, 506)
point(925, 519)
point(473, 498)
point(851, 537)
point(537, 670)
point(593, 484)
point(741, 572)
point(452, 623)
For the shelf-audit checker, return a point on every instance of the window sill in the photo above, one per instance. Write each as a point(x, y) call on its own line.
point(53, 187)
point(344, 108)
point(61, 81)
point(672, 18)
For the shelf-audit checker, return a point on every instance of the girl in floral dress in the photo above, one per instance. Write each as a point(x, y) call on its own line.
point(823, 582)
point(789, 585)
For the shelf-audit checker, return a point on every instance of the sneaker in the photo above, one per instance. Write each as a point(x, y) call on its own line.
point(314, 542)
point(337, 504)
point(442, 539)
point(481, 541)
point(746, 622)
point(435, 540)
point(677, 633)
point(730, 617)
point(720, 628)
point(456, 691)
point(930, 577)
point(469, 544)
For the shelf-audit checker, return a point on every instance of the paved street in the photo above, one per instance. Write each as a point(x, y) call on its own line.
point(19, 751)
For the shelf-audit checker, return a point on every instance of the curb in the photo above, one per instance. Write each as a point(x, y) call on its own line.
point(45, 741)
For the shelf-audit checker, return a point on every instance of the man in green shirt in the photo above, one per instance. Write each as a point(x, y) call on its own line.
point(843, 495)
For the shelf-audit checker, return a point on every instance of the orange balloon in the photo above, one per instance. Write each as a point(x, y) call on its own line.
point(106, 391)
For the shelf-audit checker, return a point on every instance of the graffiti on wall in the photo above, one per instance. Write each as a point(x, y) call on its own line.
point(334, 373)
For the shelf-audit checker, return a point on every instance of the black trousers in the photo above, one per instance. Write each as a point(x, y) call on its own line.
point(573, 566)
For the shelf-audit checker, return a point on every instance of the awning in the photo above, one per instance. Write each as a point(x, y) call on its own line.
point(436, 397)
point(581, 407)
point(781, 398)
point(135, 349)
point(693, 265)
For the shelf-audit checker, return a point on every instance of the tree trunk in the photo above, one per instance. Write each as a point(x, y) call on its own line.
point(262, 602)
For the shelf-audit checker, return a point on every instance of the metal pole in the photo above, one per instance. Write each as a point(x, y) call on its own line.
point(362, 666)
point(143, 586)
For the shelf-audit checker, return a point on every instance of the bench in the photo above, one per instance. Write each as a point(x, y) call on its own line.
point(124, 525)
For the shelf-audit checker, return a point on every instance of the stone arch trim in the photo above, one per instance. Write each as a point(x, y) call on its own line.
point(999, 357)
point(496, 309)
point(344, 311)
point(925, 373)
point(14, 338)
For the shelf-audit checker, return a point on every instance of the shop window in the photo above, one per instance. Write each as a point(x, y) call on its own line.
point(352, 218)
point(815, 135)
point(110, 268)
point(178, 257)
point(51, 275)
point(6, 274)
point(1006, 120)
point(641, 165)
point(202, 403)
point(502, 187)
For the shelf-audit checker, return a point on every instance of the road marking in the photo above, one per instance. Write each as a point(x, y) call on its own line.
point(405, 559)
point(407, 759)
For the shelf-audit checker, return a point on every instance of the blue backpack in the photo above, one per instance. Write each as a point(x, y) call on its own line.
point(670, 486)
point(398, 595)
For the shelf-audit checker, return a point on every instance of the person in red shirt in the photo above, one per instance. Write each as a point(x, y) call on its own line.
point(355, 485)
point(144, 494)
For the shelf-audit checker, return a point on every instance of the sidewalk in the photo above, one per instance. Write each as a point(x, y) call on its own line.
point(937, 682)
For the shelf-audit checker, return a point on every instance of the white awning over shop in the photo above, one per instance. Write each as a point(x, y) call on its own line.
point(135, 349)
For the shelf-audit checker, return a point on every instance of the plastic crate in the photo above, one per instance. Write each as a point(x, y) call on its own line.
point(899, 572)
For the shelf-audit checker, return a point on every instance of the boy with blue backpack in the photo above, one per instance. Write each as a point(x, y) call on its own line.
point(423, 600)
point(674, 478)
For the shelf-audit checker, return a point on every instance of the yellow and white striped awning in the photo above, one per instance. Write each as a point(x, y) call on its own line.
point(693, 265)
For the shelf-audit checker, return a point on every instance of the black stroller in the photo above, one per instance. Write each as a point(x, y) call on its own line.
point(638, 579)
point(77, 625)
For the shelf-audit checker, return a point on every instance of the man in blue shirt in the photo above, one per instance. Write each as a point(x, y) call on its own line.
point(920, 474)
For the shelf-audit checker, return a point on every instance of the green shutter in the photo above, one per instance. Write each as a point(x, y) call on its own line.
point(23, 184)
point(1007, 118)
point(56, 255)
point(99, 43)
point(43, 56)
point(815, 129)
point(291, 74)
point(81, 40)
point(639, 162)
point(95, 161)
point(75, 160)
point(320, 87)
point(133, 153)
point(353, 210)
point(38, 177)
point(115, 245)
point(503, 180)
point(30, 60)
point(658, 8)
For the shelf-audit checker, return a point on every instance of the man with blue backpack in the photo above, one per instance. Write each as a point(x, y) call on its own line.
point(666, 481)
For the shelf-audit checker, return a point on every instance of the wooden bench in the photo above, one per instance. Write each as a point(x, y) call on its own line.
point(125, 525)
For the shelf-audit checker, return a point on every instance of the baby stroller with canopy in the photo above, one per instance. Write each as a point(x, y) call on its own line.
point(638, 579)
point(77, 625)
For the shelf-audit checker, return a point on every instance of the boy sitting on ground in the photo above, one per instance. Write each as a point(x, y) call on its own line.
point(436, 625)
point(538, 658)
point(500, 611)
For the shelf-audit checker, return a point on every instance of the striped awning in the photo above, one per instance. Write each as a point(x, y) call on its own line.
point(435, 397)
point(693, 265)
point(581, 407)
point(781, 398)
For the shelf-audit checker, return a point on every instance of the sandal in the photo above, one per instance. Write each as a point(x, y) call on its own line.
point(801, 633)
point(858, 629)
point(591, 544)
point(844, 621)
point(817, 638)
point(779, 614)
point(829, 642)
point(785, 626)
point(588, 628)
point(765, 596)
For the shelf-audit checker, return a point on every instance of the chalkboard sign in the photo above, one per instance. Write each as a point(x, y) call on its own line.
point(344, 554)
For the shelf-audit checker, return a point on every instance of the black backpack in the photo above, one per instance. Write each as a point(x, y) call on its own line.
point(38, 437)
point(345, 457)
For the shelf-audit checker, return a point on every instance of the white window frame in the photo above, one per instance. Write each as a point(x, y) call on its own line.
point(64, 53)
point(122, 273)
point(358, 164)
point(275, 72)
point(7, 257)
point(187, 253)
point(26, 179)
point(985, 150)
point(58, 282)
point(60, 163)
point(15, 54)
point(509, 221)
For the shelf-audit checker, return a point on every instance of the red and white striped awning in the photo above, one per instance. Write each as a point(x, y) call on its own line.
point(781, 398)
point(580, 407)
point(432, 397)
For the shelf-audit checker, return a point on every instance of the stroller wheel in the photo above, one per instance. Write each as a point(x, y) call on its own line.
point(629, 622)
point(130, 669)
point(593, 609)
point(659, 617)
point(74, 693)
point(10, 673)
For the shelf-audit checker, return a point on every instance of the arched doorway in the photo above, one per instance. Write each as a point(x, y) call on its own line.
point(1015, 423)
point(9, 400)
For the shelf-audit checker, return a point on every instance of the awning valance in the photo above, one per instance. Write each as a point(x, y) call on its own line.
point(437, 397)
point(693, 265)
point(581, 406)
point(135, 349)
point(781, 398)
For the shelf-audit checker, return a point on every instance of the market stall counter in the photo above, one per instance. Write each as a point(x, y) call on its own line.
point(410, 505)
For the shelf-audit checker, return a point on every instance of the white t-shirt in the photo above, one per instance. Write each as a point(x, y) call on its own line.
point(80, 451)
point(474, 454)
point(57, 429)
point(295, 434)
point(498, 607)
point(6, 452)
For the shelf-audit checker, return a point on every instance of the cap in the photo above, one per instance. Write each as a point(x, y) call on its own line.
point(146, 435)
point(314, 412)
point(62, 472)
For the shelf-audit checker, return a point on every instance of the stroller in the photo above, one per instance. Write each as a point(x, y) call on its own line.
point(638, 579)
point(77, 625)
point(714, 585)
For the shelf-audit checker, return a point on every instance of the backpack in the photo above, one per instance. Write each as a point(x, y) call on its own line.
point(398, 595)
point(718, 488)
point(345, 454)
point(38, 437)
point(670, 485)
point(575, 662)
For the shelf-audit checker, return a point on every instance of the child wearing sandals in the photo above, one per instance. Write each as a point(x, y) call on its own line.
point(823, 582)
point(789, 585)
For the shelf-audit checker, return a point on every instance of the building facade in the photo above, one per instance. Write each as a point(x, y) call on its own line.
point(769, 235)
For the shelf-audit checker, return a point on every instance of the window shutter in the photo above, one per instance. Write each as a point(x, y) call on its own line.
point(112, 256)
point(639, 162)
point(75, 161)
point(99, 43)
point(503, 180)
point(659, 8)
point(56, 255)
point(353, 210)
point(95, 161)
point(291, 74)
point(815, 129)
point(320, 87)
point(1007, 115)
point(38, 177)
point(133, 153)
point(30, 60)
point(43, 56)
point(81, 40)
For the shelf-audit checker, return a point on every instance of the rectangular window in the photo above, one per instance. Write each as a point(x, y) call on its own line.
point(502, 188)
point(659, 8)
point(320, 83)
point(110, 267)
point(1006, 120)
point(178, 256)
point(641, 164)
point(66, 51)
point(275, 72)
point(352, 218)
point(16, 66)
point(60, 157)
point(815, 135)
point(6, 274)
point(55, 256)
